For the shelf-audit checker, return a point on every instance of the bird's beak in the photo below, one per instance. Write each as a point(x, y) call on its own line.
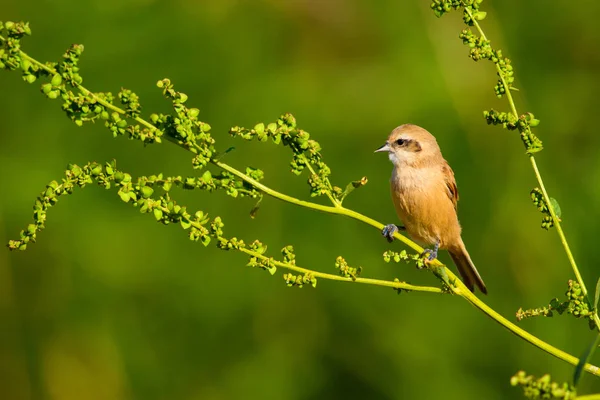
point(385, 147)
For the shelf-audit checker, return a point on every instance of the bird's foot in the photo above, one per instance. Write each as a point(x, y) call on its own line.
point(432, 253)
point(389, 231)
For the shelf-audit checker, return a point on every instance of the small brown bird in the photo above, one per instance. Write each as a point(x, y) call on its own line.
point(425, 197)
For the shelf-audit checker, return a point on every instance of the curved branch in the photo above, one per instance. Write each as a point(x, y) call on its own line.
point(538, 176)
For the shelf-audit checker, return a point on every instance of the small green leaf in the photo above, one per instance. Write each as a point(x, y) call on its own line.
point(205, 239)
point(125, 196)
point(146, 191)
point(441, 273)
point(26, 64)
point(206, 176)
point(584, 359)
point(479, 16)
point(533, 150)
point(556, 207)
point(193, 112)
point(46, 88)
point(353, 185)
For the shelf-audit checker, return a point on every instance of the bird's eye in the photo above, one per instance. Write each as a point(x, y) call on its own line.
point(400, 142)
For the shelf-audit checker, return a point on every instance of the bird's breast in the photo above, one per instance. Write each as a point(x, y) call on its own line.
point(421, 200)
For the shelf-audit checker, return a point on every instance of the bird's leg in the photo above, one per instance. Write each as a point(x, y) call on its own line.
point(432, 253)
point(389, 231)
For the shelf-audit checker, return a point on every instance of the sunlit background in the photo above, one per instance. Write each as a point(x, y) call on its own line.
point(111, 305)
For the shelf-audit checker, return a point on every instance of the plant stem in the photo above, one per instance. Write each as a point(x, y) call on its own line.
point(334, 201)
point(589, 397)
point(538, 176)
point(474, 300)
point(368, 281)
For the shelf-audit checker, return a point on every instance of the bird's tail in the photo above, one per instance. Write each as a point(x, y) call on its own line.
point(466, 268)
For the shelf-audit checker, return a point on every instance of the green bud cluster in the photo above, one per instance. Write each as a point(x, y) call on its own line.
point(345, 270)
point(258, 247)
point(579, 305)
point(481, 49)
point(441, 7)
point(184, 126)
point(543, 388)
point(403, 255)
point(10, 55)
point(288, 255)
point(523, 124)
point(224, 180)
point(79, 104)
point(259, 260)
point(231, 244)
point(305, 151)
point(131, 101)
point(68, 68)
point(140, 193)
point(538, 199)
point(576, 304)
point(300, 280)
point(537, 312)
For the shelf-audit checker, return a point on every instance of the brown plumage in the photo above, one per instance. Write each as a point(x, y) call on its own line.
point(425, 196)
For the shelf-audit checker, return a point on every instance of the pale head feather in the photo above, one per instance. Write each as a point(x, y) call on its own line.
point(411, 145)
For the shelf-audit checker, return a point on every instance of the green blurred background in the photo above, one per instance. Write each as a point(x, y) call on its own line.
point(110, 305)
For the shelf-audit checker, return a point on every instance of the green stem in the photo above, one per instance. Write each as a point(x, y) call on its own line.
point(368, 281)
point(340, 210)
point(334, 201)
point(538, 176)
point(474, 300)
point(323, 275)
point(589, 397)
point(105, 103)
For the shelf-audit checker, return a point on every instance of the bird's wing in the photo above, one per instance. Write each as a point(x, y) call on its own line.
point(452, 190)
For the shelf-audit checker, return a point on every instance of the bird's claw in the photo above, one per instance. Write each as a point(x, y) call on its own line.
point(432, 253)
point(389, 231)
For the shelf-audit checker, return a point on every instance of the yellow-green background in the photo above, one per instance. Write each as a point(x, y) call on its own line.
point(111, 305)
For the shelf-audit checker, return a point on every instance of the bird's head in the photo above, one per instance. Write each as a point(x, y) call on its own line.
point(411, 145)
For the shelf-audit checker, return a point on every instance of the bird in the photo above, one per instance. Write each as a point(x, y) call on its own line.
point(425, 197)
